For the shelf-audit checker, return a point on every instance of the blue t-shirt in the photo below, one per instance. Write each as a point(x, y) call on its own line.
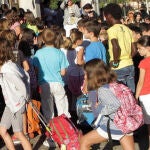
point(50, 61)
point(95, 50)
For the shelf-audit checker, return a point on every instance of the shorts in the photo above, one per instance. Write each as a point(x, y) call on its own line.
point(145, 104)
point(104, 134)
point(13, 119)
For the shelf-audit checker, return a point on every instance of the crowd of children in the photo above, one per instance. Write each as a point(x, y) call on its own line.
point(59, 61)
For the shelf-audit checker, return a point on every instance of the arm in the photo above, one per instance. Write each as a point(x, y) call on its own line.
point(80, 55)
point(77, 11)
point(63, 4)
point(116, 51)
point(133, 49)
point(140, 83)
point(25, 65)
point(108, 101)
point(63, 72)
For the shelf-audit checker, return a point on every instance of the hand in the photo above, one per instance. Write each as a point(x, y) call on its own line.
point(114, 64)
point(66, 1)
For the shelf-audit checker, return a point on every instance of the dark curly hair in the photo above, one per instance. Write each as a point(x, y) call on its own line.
point(114, 10)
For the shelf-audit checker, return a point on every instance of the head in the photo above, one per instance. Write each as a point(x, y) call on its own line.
point(49, 36)
point(130, 14)
point(81, 24)
point(137, 16)
point(136, 31)
point(25, 48)
point(87, 8)
point(27, 35)
point(143, 45)
point(6, 52)
point(4, 24)
point(112, 12)
point(40, 42)
point(91, 29)
point(69, 2)
point(97, 73)
point(67, 44)
point(40, 24)
point(16, 27)
point(10, 36)
point(103, 36)
point(147, 19)
point(145, 28)
point(29, 18)
point(76, 37)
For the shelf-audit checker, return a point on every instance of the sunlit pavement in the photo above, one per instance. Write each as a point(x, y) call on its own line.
point(38, 140)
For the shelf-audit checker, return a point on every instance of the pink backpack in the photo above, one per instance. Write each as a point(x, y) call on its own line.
point(129, 116)
point(64, 132)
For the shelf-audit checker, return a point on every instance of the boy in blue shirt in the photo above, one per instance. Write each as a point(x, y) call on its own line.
point(51, 65)
point(95, 49)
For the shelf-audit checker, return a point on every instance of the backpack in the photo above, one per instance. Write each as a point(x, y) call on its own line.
point(15, 85)
point(64, 132)
point(129, 116)
point(33, 121)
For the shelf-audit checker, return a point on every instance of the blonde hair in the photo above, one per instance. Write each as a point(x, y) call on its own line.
point(104, 34)
point(76, 35)
point(67, 44)
point(49, 36)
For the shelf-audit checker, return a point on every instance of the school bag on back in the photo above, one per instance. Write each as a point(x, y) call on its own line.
point(129, 116)
point(64, 132)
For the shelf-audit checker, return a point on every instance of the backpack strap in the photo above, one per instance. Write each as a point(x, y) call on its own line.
point(110, 141)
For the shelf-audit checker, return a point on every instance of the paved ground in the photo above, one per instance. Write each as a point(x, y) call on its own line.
point(140, 139)
point(37, 145)
point(141, 142)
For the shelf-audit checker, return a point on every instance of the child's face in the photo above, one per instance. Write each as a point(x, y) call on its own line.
point(136, 36)
point(143, 51)
point(108, 18)
point(79, 42)
point(87, 34)
point(70, 2)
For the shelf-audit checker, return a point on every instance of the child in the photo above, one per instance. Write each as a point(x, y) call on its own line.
point(75, 72)
point(143, 86)
point(95, 49)
point(51, 65)
point(30, 21)
point(12, 115)
point(98, 77)
point(121, 46)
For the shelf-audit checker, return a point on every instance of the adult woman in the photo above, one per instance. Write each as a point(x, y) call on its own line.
point(71, 15)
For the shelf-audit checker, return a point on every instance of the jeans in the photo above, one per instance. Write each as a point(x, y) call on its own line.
point(50, 93)
point(126, 76)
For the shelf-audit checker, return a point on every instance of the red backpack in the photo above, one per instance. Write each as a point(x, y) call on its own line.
point(64, 132)
point(129, 116)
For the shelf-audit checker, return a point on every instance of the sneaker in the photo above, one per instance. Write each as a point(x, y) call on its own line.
point(15, 140)
point(49, 143)
point(45, 143)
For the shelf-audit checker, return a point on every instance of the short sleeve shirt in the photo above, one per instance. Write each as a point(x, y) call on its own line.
point(95, 50)
point(50, 61)
point(145, 64)
point(125, 38)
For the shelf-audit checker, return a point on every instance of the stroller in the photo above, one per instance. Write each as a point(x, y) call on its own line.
point(84, 110)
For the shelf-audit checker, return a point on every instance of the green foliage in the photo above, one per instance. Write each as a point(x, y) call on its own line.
point(53, 4)
point(75, 1)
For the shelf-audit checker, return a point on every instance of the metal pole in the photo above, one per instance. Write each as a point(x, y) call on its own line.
point(147, 8)
point(97, 7)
